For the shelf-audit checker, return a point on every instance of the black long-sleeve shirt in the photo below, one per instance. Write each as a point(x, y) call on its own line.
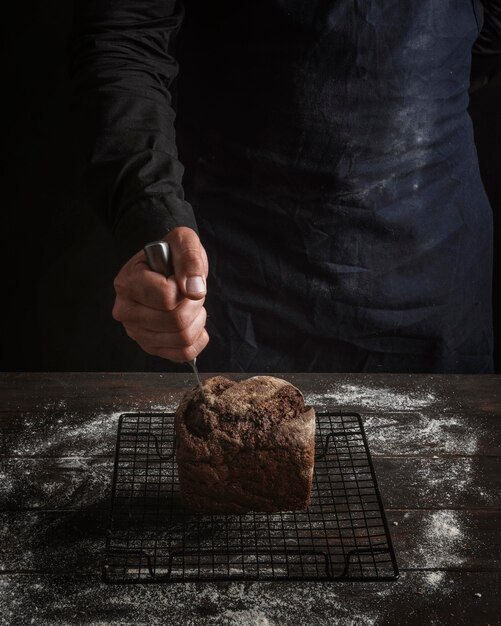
point(122, 68)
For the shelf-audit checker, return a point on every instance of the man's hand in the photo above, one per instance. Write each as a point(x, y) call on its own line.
point(166, 316)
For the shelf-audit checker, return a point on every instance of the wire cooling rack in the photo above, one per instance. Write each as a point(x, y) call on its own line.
point(151, 537)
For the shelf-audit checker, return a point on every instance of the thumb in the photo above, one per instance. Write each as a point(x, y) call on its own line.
point(188, 262)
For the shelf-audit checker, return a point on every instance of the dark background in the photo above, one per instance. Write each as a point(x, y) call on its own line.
point(58, 260)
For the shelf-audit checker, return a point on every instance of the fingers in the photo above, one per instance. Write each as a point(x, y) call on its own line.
point(149, 339)
point(184, 340)
point(182, 355)
point(166, 315)
point(137, 315)
point(150, 289)
point(190, 262)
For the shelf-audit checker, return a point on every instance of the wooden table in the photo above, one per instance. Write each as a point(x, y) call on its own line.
point(436, 445)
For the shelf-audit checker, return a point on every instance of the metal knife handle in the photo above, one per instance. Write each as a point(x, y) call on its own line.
point(159, 258)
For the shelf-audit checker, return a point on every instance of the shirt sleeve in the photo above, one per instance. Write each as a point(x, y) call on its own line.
point(486, 51)
point(121, 72)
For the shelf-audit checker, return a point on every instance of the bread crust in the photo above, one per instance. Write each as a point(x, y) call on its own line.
point(249, 447)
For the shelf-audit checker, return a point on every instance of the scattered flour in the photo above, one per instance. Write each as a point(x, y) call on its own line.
point(249, 617)
point(94, 437)
point(441, 540)
point(446, 481)
point(55, 405)
point(51, 437)
point(268, 604)
point(371, 397)
point(6, 483)
point(81, 600)
point(434, 579)
point(420, 433)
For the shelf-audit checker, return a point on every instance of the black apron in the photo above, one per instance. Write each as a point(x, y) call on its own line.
point(331, 165)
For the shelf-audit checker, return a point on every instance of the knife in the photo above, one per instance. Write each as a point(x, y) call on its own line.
point(159, 260)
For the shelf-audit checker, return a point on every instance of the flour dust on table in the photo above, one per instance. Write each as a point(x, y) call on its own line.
point(420, 433)
point(371, 397)
point(442, 540)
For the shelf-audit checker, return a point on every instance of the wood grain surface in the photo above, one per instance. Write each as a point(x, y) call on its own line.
point(436, 446)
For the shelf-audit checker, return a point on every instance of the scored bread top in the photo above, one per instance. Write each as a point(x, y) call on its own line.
point(261, 412)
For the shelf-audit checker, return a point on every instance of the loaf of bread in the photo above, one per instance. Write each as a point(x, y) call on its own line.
point(248, 447)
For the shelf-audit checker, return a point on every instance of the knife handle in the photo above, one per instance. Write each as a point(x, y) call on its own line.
point(159, 260)
point(159, 257)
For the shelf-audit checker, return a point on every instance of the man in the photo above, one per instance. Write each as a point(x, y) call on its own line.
point(339, 222)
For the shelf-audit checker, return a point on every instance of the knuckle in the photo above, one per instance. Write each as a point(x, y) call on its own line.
point(204, 316)
point(206, 338)
point(188, 323)
point(175, 235)
point(119, 284)
point(181, 320)
point(116, 312)
point(188, 353)
point(168, 300)
point(203, 340)
point(186, 337)
point(192, 259)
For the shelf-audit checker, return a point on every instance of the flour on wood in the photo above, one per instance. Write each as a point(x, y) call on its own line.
point(442, 540)
point(371, 397)
point(434, 579)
